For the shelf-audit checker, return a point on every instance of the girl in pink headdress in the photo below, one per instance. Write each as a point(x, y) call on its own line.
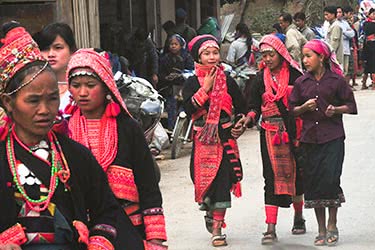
point(213, 99)
point(320, 97)
point(278, 134)
point(100, 121)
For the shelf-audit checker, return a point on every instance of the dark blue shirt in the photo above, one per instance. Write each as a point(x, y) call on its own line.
point(330, 89)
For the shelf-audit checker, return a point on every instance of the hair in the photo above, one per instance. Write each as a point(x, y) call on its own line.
point(371, 11)
point(168, 25)
point(277, 27)
point(347, 9)
point(243, 29)
point(30, 69)
point(330, 9)
point(48, 34)
point(287, 17)
point(299, 15)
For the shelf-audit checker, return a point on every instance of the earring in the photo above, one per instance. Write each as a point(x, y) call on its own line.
point(112, 109)
point(108, 97)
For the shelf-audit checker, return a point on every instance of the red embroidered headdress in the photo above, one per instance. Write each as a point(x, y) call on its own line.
point(18, 50)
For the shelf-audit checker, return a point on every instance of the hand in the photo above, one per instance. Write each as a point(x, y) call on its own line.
point(209, 79)
point(10, 247)
point(155, 79)
point(310, 105)
point(330, 111)
point(239, 128)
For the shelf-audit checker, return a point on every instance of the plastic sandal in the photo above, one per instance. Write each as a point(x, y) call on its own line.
point(219, 240)
point(320, 240)
point(332, 237)
point(299, 226)
point(269, 238)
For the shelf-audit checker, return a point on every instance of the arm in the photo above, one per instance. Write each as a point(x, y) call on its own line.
point(336, 37)
point(347, 102)
point(292, 45)
point(347, 31)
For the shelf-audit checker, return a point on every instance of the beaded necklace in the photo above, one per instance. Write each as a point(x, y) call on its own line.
point(58, 165)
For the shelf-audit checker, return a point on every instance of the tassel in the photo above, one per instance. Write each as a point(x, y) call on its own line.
point(276, 139)
point(285, 137)
point(112, 109)
point(209, 134)
point(236, 190)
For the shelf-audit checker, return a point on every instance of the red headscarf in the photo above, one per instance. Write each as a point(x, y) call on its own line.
point(321, 47)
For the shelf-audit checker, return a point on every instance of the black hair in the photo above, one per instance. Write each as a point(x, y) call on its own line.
point(330, 9)
point(286, 17)
point(48, 34)
point(299, 15)
point(31, 68)
point(277, 27)
point(243, 29)
point(168, 25)
point(347, 9)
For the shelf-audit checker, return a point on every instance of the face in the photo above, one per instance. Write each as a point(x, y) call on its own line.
point(299, 23)
point(312, 61)
point(272, 59)
point(282, 23)
point(34, 107)
point(348, 15)
point(339, 14)
point(58, 54)
point(174, 46)
point(210, 56)
point(329, 16)
point(89, 94)
point(372, 16)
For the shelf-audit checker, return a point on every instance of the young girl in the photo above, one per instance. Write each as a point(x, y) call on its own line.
point(57, 44)
point(170, 79)
point(100, 121)
point(212, 99)
point(320, 97)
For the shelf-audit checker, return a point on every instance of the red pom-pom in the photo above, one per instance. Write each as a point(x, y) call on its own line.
point(276, 139)
point(112, 109)
point(285, 137)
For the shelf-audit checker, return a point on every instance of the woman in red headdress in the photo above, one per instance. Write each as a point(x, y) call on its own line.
point(213, 99)
point(269, 99)
point(100, 121)
point(320, 97)
point(54, 194)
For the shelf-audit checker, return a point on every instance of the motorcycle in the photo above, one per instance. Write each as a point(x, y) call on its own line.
point(143, 102)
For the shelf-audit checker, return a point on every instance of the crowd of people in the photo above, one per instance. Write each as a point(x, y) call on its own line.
point(76, 171)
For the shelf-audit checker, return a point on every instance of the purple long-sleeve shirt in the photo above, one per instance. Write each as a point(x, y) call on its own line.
point(330, 89)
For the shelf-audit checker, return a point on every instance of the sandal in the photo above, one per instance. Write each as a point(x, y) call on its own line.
point(269, 238)
point(299, 226)
point(320, 240)
point(219, 240)
point(332, 237)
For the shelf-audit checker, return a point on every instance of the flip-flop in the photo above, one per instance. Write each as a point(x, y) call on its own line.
point(219, 240)
point(320, 240)
point(332, 235)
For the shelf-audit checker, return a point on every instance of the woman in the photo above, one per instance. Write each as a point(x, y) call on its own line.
point(240, 49)
point(320, 97)
point(172, 64)
point(215, 165)
point(48, 191)
point(269, 96)
point(369, 49)
point(100, 121)
point(56, 42)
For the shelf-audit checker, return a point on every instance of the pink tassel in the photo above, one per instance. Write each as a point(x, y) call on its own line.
point(276, 139)
point(236, 190)
point(112, 109)
point(285, 137)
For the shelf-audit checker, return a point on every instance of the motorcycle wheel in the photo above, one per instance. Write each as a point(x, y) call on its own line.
point(178, 137)
point(157, 170)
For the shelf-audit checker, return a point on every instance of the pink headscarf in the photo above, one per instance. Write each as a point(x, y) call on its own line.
point(275, 43)
point(321, 47)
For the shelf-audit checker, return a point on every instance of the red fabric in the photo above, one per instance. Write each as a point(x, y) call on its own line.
point(99, 243)
point(13, 235)
point(219, 214)
point(278, 83)
point(271, 214)
point(155, 227)
point(200, 97)
point(321, 47)
point(298, 206)
point(83, 231)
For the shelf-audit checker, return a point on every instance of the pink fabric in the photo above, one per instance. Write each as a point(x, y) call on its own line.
point(208, 44)
point(271, 214)
point(99, 63)
point(274, 42)
point(320, 47)
point(195, 39)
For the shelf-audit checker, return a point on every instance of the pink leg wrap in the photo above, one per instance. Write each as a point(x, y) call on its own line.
point(271, 214)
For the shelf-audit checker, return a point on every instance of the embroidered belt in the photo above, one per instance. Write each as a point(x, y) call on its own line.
point(121, 181)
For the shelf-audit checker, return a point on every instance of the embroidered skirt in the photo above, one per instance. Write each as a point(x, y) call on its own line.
point(322, 171)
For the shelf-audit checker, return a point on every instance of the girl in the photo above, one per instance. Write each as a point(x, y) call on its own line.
point(212, 99)
point(100, 121)
point(320, 97)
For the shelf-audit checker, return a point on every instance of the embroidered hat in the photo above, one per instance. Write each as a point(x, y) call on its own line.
point(100, 67)
point(18, 49)
point(200, 43)
point(274, 42)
